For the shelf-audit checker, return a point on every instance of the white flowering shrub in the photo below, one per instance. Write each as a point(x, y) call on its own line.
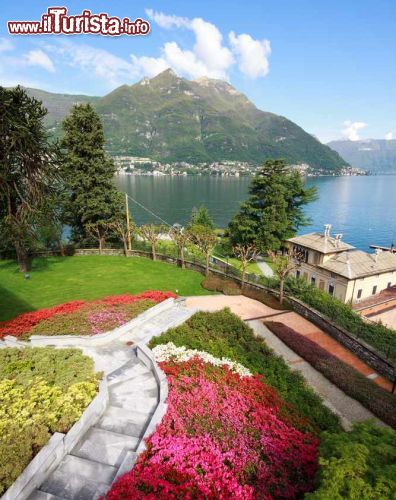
point(167, 352)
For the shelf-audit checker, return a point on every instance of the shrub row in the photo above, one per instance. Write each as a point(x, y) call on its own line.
point(223, 334)
point(215, 283)
point(375, 334)
point(372, 396)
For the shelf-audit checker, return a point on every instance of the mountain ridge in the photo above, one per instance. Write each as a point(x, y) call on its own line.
point(375, 155)
point(169, 118)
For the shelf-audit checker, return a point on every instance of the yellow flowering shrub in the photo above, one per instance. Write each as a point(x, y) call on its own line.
point(33, 409)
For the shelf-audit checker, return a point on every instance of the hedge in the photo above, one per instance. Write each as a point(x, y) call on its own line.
point(356, 385)
point(223, 334)
point(379, 336)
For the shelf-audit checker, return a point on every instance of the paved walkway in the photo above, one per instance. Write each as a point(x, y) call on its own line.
point(249, 309)
point(264, 267)
point(349, 410)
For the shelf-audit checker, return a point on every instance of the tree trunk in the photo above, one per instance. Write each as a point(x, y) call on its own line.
point(243, 275)
point(207, 264)
point(154, 255)
point(125, 241)
point(281, 292)
point(61, 248)
point(101, 245)
point(182, 257)
point(22, 258)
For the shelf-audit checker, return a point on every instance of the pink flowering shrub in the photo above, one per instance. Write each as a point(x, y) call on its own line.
point(223, 436)
point(82, 317)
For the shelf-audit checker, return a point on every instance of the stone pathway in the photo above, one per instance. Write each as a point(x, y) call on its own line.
point(110, 447)
point(249, 309)
point(253, 312)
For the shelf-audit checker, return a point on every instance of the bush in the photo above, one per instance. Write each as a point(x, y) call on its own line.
point(223, 334)
point(266, 298)
point(69, 250)
point(231, 289)
point(357, 464)
point(359, 387)
point(375, 334)
point(42, 391)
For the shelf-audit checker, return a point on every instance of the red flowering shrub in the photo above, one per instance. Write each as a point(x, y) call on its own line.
point(223, 436)
point(23, 324)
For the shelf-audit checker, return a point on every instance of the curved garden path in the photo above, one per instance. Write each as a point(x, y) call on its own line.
point(254, 312)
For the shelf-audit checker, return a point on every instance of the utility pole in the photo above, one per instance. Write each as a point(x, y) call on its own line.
point(128, 223)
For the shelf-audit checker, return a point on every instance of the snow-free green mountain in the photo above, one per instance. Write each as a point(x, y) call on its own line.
point(169, 118)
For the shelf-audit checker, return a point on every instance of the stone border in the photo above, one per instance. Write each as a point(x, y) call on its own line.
point(49, 457)
point(87, 340)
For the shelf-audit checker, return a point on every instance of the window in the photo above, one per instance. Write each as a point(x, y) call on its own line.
point(374, 289)
point(313, 280)
point(359, 295)
point(331, 289)
point(298, 273)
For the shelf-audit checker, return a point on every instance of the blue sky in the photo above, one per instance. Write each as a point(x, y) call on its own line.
point(328, 65)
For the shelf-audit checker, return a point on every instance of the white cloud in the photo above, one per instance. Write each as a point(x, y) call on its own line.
point(252, 54)
point(149, 66)
point(166, 21)
point(40, 58)
point(351, 130)
point(389, 136)
point(210, 56)
point(102, 63)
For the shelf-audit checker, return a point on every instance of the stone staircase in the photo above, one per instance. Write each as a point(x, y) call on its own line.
point(136, 403)
point(109, 448)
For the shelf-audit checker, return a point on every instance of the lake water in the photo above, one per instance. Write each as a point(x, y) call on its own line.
point(363, 209)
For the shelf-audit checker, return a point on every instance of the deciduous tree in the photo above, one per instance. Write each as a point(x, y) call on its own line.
point(180, 237)
point(246, 253)
point(205, 239)
point(152, 234)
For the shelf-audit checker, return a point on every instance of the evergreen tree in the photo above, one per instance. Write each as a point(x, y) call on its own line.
point(274, 211)
point(93, 200)
point(201, 217)
point(28, 170)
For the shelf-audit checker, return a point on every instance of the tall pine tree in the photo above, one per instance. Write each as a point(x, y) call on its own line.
point(92, 198)
point(274, 211)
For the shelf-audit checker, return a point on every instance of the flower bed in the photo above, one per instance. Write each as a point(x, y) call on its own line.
point(224, 435)
point(223, 334)
point(42, 391)
point(81, 317)
point(372, 396)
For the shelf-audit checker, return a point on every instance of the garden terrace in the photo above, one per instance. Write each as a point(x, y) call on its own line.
point(56, 280)
point(223, 334)
point(83, 318)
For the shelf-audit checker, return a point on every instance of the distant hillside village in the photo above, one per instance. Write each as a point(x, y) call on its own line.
point(134, 165)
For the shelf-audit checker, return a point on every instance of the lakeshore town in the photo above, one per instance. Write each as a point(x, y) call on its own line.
point(135, 165)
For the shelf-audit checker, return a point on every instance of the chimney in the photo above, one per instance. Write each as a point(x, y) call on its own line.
point(338, 240)
point(377, 252)
point(327, 230)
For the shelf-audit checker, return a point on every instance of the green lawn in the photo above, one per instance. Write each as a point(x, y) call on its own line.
point(56, 280)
